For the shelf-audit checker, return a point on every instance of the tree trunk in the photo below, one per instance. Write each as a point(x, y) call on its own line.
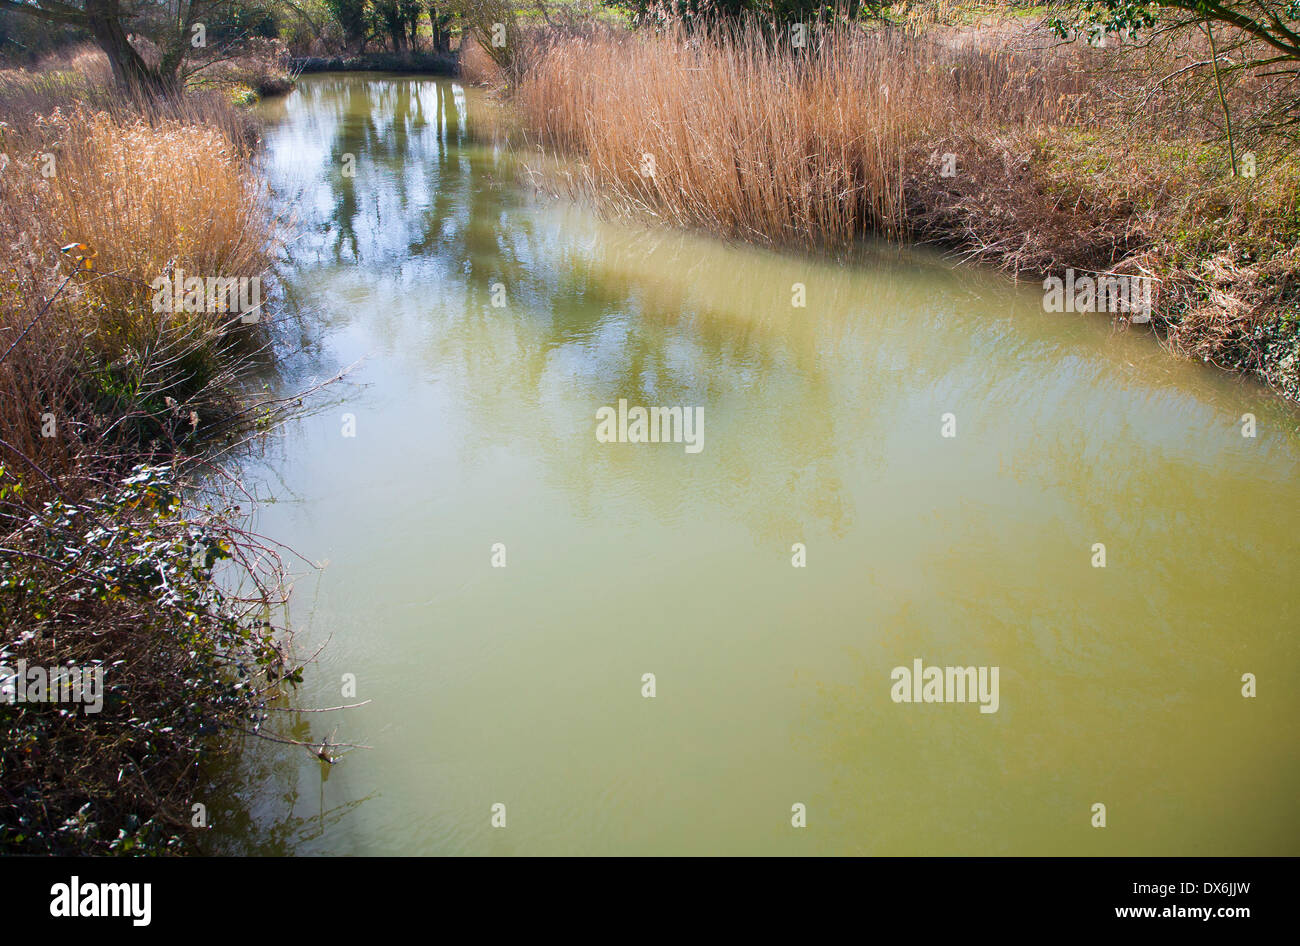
point(130, 71)
point(438, 24)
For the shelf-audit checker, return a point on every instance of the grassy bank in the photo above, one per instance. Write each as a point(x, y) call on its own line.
point(114, 561)
point(1062, 157)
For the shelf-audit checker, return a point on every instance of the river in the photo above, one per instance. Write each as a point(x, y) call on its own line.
point(489, 324)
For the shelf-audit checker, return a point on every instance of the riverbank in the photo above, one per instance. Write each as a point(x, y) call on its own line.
point(135, 613)
point(1038, 158)
point(434, 64)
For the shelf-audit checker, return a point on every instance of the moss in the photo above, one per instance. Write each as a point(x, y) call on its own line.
point(243, 96)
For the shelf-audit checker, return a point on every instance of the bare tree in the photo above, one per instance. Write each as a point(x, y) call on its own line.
point(175, 28)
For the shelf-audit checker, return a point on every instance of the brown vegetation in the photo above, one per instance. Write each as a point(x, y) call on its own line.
point(108, 548)
point(149, 189)
point(1059, 162)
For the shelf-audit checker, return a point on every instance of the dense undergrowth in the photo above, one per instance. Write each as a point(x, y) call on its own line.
point(121, 552)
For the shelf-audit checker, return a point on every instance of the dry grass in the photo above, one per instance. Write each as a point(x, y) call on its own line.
point(85, 60)
point(752, 142)
point(150, 190)
point(476, 67)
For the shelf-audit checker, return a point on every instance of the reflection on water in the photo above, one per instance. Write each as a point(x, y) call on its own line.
point(522, 685)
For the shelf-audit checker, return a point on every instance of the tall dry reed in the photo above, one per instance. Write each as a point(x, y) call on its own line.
point(737, 133)
point(88, 367)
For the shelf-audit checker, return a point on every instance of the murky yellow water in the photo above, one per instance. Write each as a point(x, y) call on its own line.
point(475, 425)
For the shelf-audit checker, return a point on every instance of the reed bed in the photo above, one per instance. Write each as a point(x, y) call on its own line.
point(474, 65)
point(149, 190)
point(736, 133)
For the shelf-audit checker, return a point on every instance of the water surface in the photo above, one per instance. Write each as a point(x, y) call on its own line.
point(475, 425)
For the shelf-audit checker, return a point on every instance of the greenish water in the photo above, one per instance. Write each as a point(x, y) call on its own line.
point(476, 424)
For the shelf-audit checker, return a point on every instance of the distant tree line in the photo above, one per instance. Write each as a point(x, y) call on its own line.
point(396, 22)
point(1252, 34)
point(710, 12)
